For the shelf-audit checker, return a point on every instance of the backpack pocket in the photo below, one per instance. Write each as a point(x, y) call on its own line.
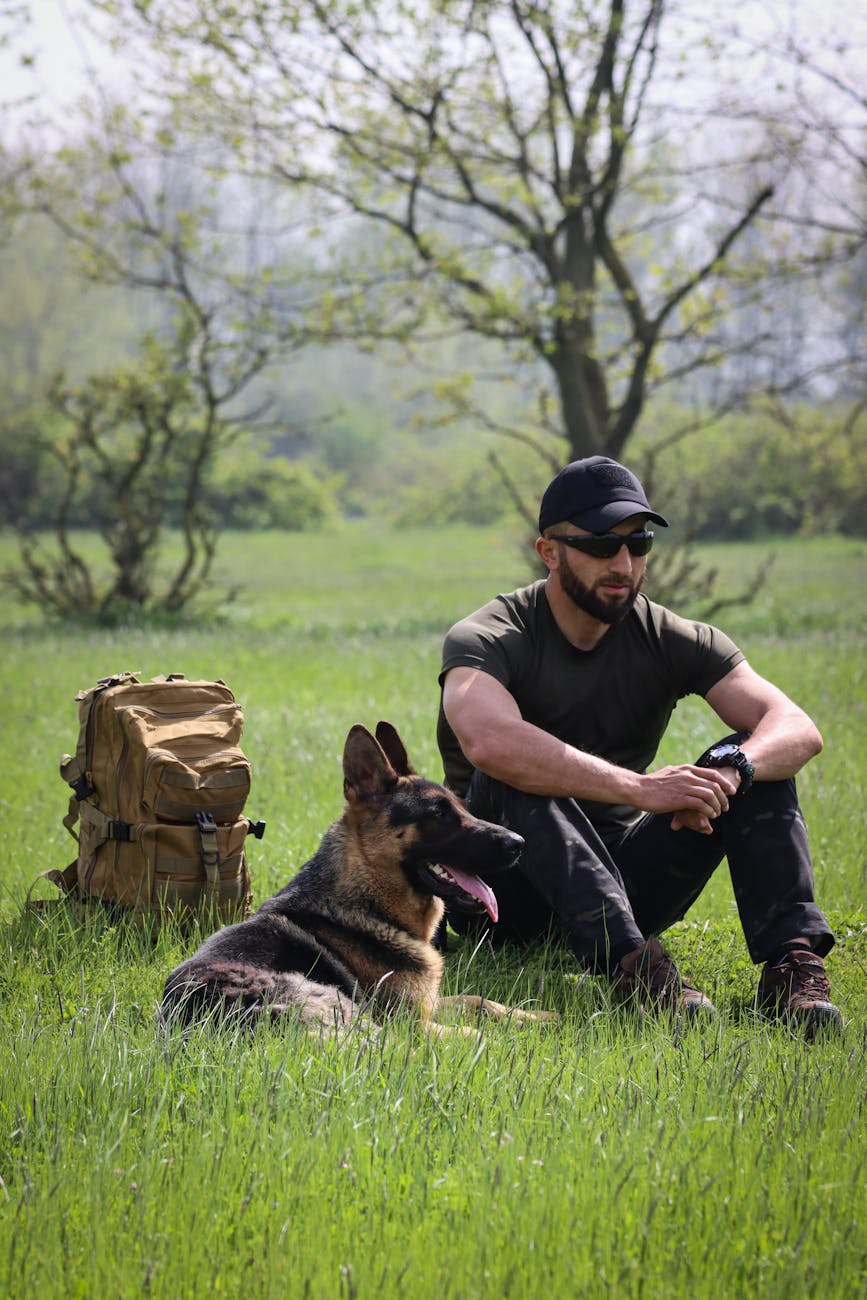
point(175, 763)
point(179, 880)
point(194, 730)
point(176, 787)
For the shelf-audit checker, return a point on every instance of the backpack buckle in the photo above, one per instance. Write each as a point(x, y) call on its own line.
point(119, 831)
point(209, 849)
point(81, 788)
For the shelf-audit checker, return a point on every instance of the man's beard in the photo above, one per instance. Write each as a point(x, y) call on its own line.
point(605, 609)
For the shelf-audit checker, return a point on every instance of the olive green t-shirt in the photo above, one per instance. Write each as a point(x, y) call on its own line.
point(614, 701)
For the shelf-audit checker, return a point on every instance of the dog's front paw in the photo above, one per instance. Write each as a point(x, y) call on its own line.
point(537, 1017)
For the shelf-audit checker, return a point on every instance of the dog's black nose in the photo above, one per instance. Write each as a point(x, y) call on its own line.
point(513, 844)
point(495, 849)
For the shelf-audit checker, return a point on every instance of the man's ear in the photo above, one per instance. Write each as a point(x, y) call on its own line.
point(548, 552)
point(367, 772)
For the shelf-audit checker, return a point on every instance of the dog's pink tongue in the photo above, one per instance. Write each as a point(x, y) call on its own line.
point(478, 889)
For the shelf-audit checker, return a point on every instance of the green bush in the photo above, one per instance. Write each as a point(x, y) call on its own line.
point(31, 480)
point(250, 490)
point(452, 494)
point(453, 481)
point(756, 474)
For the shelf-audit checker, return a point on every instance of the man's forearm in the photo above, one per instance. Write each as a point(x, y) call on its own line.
point(782, 738)
point(498, 741)
point(781, 744)
point(528, 758)
point(531, 760)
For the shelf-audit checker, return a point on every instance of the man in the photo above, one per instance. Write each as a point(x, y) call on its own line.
point(554, 701)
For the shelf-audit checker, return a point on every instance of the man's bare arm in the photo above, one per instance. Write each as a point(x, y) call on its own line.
point(495, 738)
point(782, 737)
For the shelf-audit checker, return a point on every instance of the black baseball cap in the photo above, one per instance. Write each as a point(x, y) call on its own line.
point(595, 493)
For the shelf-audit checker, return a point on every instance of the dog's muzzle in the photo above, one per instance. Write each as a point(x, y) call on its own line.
point(462, 891)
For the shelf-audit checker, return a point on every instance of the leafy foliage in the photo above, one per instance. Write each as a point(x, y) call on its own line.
point(505, 153)
point(776, 470)
point(249, 490)
point(131, 442)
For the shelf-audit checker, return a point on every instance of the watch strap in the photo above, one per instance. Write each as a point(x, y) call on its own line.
point(736, 759)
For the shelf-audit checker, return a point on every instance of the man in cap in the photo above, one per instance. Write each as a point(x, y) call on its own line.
point(555, 698)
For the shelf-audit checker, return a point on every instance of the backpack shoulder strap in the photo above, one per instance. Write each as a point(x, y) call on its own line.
point(73, 767)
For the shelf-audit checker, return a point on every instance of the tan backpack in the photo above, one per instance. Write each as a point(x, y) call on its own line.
point(159, 784)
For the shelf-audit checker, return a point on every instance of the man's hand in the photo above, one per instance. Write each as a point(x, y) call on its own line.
point(695, 821)
point(696, 795)
point(691, 821)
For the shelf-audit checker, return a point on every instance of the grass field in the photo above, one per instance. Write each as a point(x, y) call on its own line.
point(604, 1157)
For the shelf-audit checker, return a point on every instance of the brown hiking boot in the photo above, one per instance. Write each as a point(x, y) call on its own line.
point(795, 987)
point(649, 977)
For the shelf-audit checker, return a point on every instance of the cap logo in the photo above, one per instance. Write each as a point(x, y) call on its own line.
point(612, 475)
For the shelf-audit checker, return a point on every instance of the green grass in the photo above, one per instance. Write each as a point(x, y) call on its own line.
point(605, 1156)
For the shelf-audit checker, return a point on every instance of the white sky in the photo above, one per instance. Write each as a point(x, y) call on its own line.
point(61, 47)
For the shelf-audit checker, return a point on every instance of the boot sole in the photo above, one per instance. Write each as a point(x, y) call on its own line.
point(822, 1015)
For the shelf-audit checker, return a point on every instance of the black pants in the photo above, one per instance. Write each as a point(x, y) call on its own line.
point(606, 896)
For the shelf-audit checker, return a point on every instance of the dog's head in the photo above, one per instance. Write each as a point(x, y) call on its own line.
point(441, 847)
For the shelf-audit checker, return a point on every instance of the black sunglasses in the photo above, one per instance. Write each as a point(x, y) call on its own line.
point(604, 546)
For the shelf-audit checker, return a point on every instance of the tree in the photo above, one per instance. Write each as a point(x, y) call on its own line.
point(518, 154)
point(138, 440)
point(606, 193)
point(137, 443)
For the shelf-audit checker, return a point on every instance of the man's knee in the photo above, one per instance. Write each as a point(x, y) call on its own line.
point(768, 805)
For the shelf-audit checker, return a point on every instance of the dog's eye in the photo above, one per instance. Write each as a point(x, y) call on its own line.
point(445, 810)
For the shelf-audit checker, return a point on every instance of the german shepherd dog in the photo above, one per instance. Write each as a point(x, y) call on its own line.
point(351, 934)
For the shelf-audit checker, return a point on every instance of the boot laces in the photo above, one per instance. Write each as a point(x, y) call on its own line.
point(805, 974)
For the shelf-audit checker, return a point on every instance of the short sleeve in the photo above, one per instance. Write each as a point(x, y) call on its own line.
point(699, 655)
point(493, 640)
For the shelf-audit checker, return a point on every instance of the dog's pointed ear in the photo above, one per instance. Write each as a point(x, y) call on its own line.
point(367, 772)
point(394, 748)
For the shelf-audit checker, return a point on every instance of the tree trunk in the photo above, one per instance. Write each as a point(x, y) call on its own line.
point(583, 400)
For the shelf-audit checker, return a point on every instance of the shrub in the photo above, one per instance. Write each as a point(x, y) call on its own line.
point(801, 470)
point(250, 490)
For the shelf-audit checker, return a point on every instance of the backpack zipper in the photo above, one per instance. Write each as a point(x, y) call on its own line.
point(121, 764)
point(88, 768)
point(178, 713)
point(193, 760)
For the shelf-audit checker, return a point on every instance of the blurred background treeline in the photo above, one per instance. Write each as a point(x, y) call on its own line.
point(349, 435)
point(282, 265)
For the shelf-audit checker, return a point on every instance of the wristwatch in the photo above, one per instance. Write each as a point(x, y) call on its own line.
point(727, 754)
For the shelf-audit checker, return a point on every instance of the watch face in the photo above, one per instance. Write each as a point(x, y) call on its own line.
point(724, 751)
